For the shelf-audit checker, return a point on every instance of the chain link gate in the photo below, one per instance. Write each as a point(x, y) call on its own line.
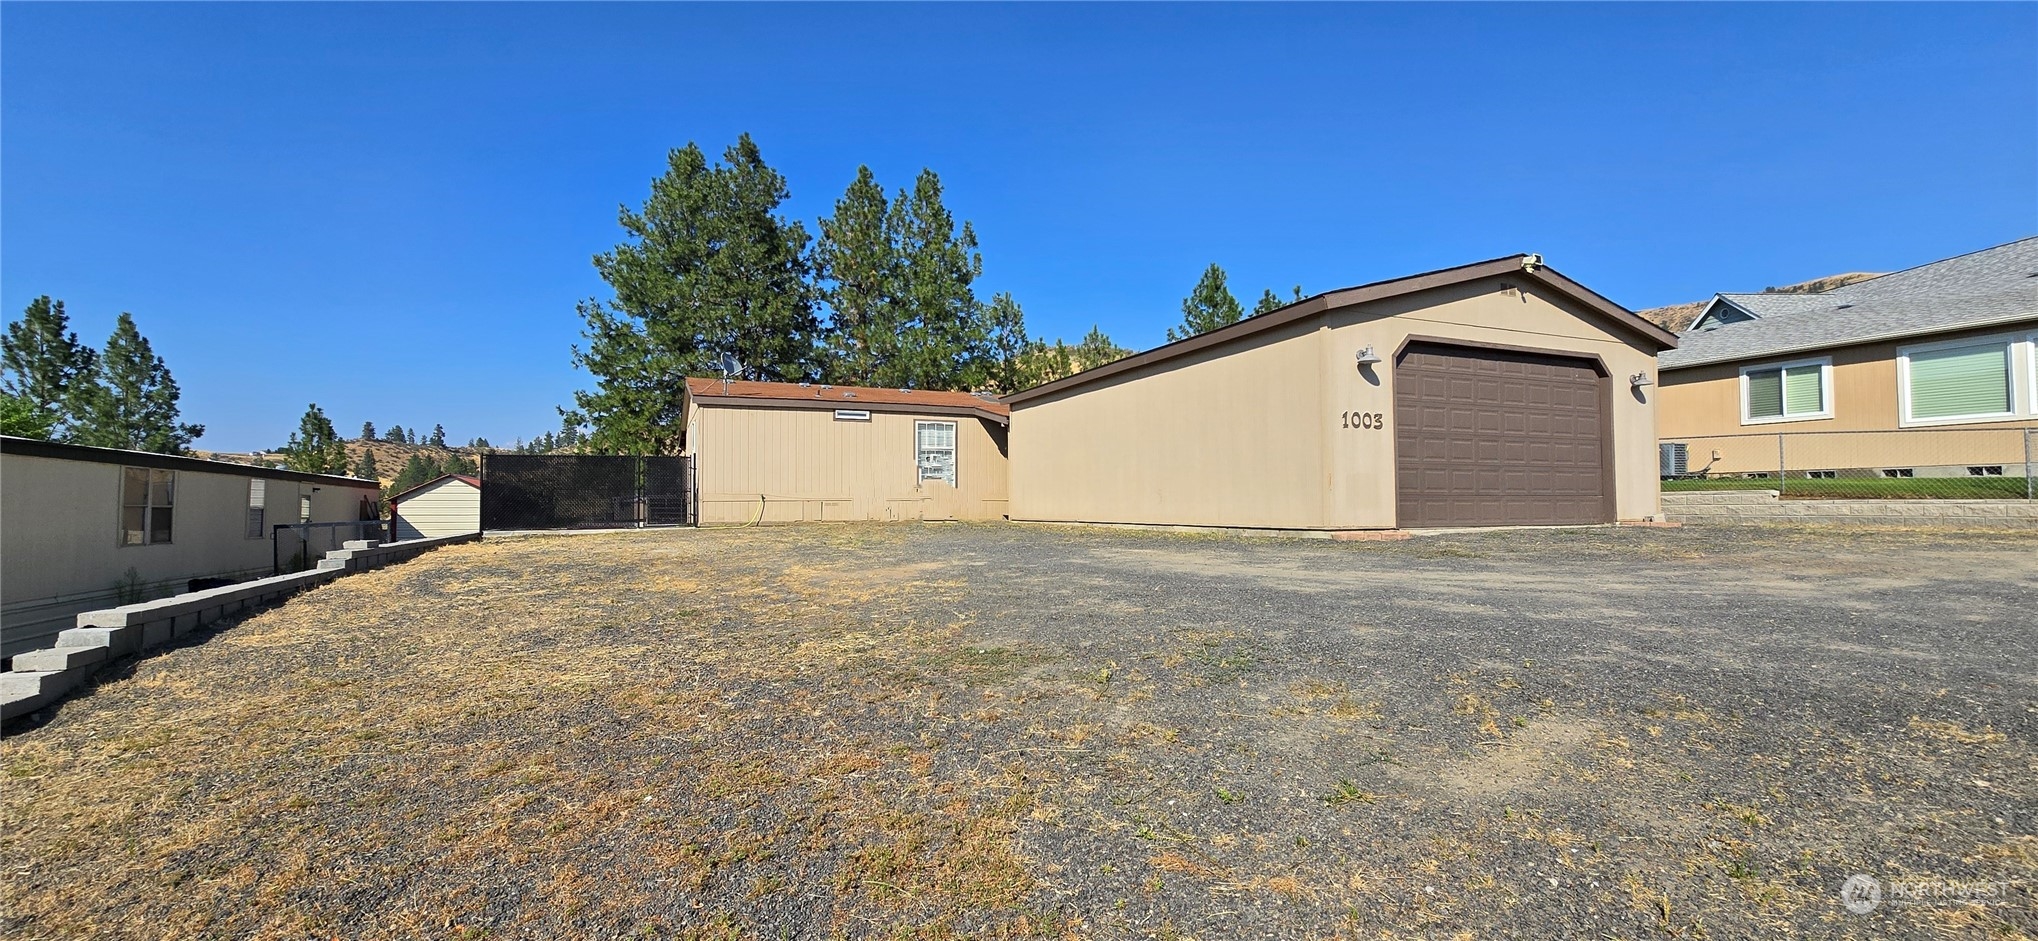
point(584, 491)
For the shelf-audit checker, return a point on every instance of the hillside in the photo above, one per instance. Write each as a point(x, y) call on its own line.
point(390, 457)
point(1678, 317)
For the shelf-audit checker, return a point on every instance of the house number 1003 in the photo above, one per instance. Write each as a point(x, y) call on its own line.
point(1370, 421)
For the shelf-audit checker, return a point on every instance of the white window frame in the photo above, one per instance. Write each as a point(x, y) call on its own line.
point(2022, 386)
point(1825, 412)
point(954, 451)
point(2031, 373)
point(148, 507)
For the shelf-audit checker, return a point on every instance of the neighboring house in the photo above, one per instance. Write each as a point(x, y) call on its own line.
point(1925, 372)
point(446, 506)
point(776, 452)
point(84, 528)
point(1495, 393)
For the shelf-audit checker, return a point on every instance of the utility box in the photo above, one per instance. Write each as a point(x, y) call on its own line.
point(1674, 457)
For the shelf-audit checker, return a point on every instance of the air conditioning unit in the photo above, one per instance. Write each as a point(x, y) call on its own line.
point(1674, 458)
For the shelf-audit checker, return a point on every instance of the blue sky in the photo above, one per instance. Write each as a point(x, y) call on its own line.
point(389, 209)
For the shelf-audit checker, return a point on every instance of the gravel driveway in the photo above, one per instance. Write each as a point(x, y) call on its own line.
point(981, 730)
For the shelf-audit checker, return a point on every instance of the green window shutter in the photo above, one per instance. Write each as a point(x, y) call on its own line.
point(1967, 380)
point(1765, 394)
point(1802, 392)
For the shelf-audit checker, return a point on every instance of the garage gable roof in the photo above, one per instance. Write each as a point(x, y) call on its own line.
point(474, 482)
point(1529, 267)
point(816, 396)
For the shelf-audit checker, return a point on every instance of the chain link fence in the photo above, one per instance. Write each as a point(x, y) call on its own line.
point(1912, 464)
point(584, 491)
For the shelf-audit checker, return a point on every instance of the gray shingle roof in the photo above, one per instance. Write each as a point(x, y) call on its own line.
point(1992, 286)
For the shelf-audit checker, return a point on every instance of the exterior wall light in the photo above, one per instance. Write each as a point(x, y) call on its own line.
point(1367, 357)
point(1640, 379)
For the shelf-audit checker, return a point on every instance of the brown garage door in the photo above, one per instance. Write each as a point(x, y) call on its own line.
point(1493, 438)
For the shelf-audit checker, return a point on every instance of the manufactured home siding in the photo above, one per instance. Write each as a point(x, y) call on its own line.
point(446, 508)
point(1701, 405)
point(62, 540)
point(1259, 432)
point(777, 465)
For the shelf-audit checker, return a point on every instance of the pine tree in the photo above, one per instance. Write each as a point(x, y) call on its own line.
point(45, 370)
point(367, 431)
point(457, 463)
point(410, 436)
point(1008, 346)
point(415, 471)
point(394, 435)
point(1097, 349)
point(856, 261)
point(438, 436)
point(132, 403)
point(1271, 301)
point(946, 337)
point(366, 469)
point(316, 446)
point(708, 268)
point(1208, 307)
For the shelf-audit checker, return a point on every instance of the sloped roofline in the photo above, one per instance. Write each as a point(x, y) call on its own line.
point(1510, 265)
point(474, 482)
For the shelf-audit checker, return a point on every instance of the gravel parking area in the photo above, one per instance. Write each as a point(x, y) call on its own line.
point(977, 730)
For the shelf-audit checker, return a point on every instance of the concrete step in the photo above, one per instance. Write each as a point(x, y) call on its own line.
point(58, 658)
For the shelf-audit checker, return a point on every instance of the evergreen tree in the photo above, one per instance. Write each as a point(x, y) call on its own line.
point(367, 431)
point(415, 471)
point(946, 337)
point(1008, 346)
point(457, 463)
point(19, 417)
point(438, 436)
point(410, 436)
point(316, 446)
point(394, 435)
point(132, 403)
point(1097, 349)
point(708, 268)
point(43, 369)
point(480, 444)
point(1208, 307)
point(1271, 301)
point(856, 262)
point(366, 469)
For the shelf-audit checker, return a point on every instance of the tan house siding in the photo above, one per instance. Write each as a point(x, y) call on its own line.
point(780, 465)
point(446, 508)
point(63, 548)
point(1252, 433)
point(1701, 405)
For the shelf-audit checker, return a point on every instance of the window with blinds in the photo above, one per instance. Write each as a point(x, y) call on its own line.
point(1785, 393)
point(258, 500)
point(1958, 382)
point(935, 446)
point(147, 505)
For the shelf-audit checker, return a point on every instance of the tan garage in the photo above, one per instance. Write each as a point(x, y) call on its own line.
point(1498, 393)
point(780, 452)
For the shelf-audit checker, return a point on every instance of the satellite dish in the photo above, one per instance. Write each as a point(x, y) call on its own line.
point(730, 367)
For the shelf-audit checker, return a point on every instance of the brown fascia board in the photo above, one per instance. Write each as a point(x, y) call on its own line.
point(1365, 293)
point(852, 405)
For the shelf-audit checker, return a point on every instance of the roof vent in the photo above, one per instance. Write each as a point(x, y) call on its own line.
point(805, 384)
point(826, 386)
point(907, 391)
point(1843, 307)
point(849, 395)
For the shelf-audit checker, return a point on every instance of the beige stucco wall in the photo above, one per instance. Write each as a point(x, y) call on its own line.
point(781, 465)
point(446, 508)
point(1252, 433)
point(60, 537)
point(1701, 406)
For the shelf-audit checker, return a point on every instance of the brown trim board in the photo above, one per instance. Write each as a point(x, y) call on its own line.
point(740, 401)
point(1510, 266)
